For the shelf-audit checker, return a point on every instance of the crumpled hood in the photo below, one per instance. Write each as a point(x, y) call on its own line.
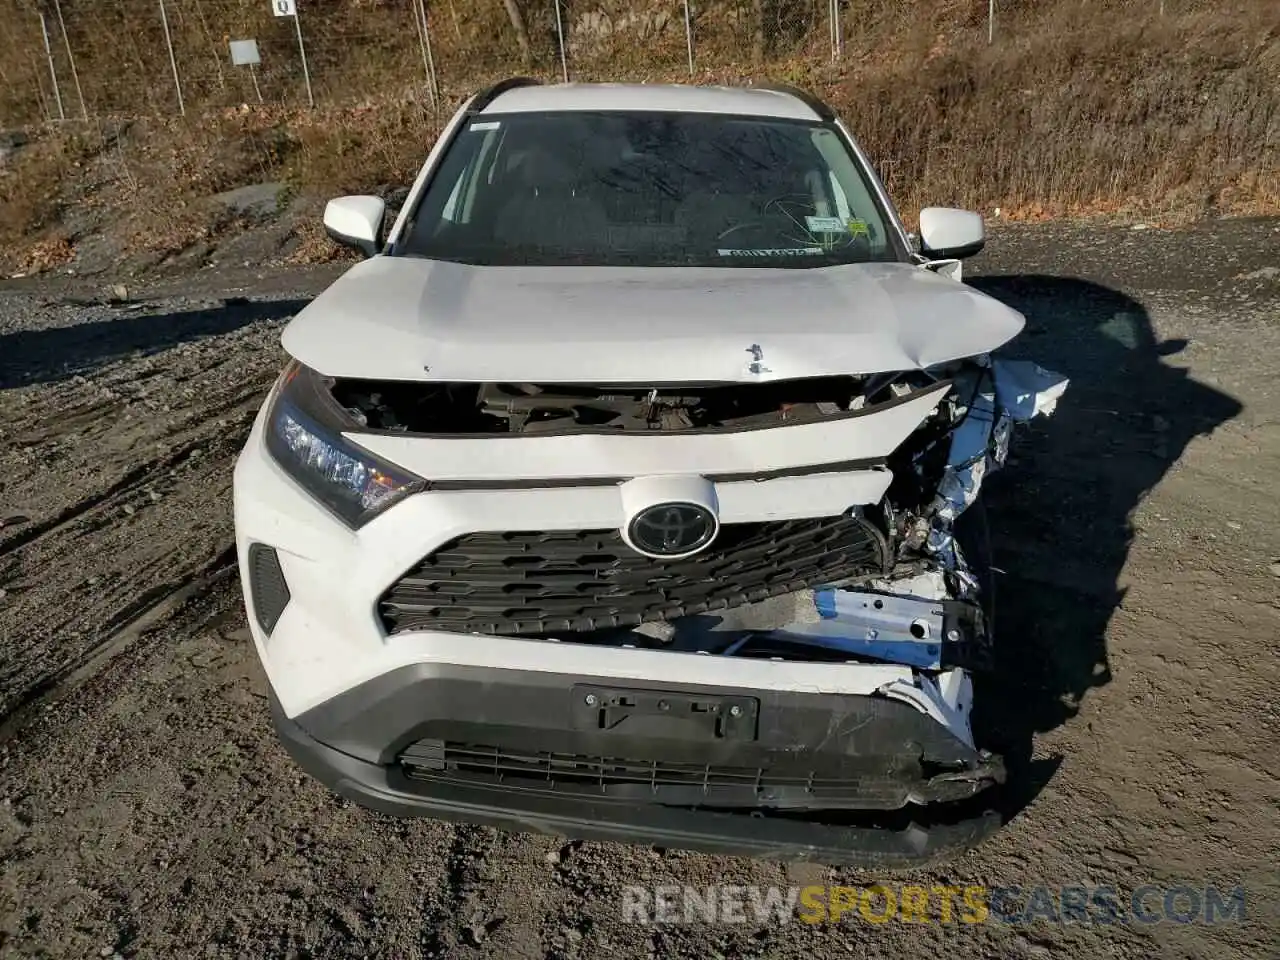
point(398, 318)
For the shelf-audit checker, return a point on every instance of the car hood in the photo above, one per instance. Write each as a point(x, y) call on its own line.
point(400, 318)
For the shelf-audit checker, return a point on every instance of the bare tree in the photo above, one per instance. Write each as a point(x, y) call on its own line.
point(522, 31)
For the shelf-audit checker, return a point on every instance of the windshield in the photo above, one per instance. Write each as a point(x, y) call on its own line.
point(648, 189)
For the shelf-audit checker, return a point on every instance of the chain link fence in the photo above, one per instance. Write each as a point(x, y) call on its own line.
point(80, 59)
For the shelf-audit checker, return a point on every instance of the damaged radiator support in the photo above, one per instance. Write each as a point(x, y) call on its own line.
point(927, 634)
point(931, 618)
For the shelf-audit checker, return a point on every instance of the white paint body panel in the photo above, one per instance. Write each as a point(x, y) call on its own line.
point(399, 318)
point(944, 229)
point(357, 217)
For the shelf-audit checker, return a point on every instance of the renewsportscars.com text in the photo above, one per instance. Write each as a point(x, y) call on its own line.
point(918, 903)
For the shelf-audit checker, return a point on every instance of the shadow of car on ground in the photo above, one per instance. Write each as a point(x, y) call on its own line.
point(52, 354)
point(1060, 512)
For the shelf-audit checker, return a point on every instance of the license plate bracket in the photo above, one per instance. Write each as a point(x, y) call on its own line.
point(665, 714)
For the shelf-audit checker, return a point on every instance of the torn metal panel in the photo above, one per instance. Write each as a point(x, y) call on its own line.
point(1025, 389)
point(1001, 392)
point(968, 460)
point(946, 697)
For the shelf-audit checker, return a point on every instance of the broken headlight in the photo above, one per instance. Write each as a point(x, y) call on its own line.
point(304, 436)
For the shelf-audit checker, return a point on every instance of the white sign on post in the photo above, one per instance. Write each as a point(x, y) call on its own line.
point(289, 8)
point(244, 53)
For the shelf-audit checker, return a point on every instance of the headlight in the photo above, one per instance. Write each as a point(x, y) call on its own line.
point(304, 435)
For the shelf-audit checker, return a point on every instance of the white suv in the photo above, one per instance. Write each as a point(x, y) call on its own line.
point(614, 494)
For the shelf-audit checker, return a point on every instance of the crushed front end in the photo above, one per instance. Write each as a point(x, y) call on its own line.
point(729, 618)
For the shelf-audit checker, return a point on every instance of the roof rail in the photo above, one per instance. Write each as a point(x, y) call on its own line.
point(822, 109)
point(488, 95)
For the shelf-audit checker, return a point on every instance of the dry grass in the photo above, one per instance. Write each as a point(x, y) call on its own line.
point(1101, 107)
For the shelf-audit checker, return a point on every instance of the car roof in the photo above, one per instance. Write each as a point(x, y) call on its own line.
point(662, 97)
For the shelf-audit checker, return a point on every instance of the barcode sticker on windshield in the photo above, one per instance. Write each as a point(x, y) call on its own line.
point(825, 224)
point(485, 125)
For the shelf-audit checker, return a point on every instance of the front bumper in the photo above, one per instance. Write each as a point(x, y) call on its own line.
point(532, 758)
point(383, 719)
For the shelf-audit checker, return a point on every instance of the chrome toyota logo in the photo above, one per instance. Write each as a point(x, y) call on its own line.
point(672, 529)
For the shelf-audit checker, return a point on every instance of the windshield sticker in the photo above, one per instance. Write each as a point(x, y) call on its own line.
point(859, 228)
point(776, 252)
point(825, 224)
point(485, 125)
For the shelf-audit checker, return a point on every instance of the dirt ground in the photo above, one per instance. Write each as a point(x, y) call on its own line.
point(147, 811)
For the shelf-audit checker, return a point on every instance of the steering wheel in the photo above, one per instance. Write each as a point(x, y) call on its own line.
point(787, 216)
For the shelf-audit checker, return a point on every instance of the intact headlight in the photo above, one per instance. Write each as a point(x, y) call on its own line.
point(304, 435)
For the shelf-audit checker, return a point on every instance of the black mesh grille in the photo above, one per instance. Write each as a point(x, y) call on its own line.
point(266, 580)
point(664, 781)
point(531, 582)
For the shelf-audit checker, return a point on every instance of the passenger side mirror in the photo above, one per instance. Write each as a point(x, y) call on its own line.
point(950, 234)
point(356, 222)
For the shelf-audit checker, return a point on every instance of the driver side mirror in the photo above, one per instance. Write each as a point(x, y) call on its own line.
point(950, 234)
point(356, 222)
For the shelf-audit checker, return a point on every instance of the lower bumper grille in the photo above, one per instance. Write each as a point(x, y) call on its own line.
point(532, 582)
point(661, 781)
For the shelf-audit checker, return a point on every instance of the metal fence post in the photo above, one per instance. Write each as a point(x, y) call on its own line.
point(173, 62)
point(75, 75)
point(831, 26)
point(991, 21)
point(428, 60)
point(48, 50)
point(688, 35)
point(564, 63)
point(302, 50)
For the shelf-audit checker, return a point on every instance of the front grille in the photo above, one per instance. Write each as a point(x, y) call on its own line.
point(662, 781)
point(535, 582)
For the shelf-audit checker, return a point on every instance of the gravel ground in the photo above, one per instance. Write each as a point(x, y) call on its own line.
point(147, 811)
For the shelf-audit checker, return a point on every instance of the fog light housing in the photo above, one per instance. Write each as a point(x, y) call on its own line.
point(267, 586)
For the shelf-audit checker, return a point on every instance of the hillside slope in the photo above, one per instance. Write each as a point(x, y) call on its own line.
point(1100, 106)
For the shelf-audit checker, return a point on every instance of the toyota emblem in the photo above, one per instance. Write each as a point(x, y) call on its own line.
point(672, 529)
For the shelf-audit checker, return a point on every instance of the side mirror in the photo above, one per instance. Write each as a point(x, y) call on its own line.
point(950, 234)
point(356, 222)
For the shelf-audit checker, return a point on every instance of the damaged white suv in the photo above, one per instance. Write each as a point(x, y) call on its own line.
point(612, 495)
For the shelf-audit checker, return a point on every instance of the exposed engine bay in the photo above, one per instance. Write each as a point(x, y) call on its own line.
point(542, 408)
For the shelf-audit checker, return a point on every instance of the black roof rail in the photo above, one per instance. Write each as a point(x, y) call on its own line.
point(822, 109)
point(489, 94)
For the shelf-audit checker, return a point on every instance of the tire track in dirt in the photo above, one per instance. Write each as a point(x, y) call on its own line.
point(72, 595)
point(149, 612)
point(129, 482)
point(124, 472)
